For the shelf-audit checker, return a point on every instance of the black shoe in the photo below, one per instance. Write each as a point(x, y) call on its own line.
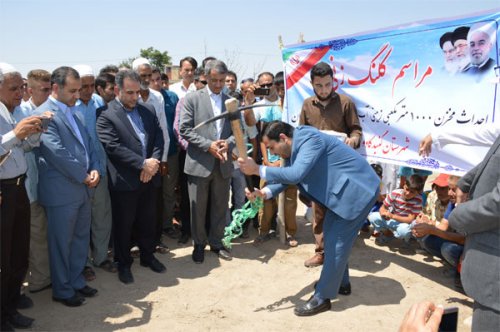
point(87, 291)
point(20, 321)
point(33, 291)
point(198, 254)
point(223, 254)
point(74, 301)
point(183, 239)
point(6, 327)
point(345, 290)
point(125, 275)
point(24, 302)
point(171, 233)
point(155, 265)
point(313, 307)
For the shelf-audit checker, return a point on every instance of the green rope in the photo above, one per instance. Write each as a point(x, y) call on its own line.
point(248, 211)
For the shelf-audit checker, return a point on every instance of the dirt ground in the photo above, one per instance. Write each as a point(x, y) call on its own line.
point(257, 291)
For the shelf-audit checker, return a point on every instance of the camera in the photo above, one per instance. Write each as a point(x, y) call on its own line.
point(262, 91)
point(45, 122)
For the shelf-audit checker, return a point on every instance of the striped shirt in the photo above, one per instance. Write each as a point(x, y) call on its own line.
point(398, 205)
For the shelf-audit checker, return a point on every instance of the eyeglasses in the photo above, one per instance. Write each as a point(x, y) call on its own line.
point(268, 85)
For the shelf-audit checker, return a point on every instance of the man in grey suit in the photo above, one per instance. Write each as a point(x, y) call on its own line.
point(207, 166)
point(67, 167)
point(478, 216)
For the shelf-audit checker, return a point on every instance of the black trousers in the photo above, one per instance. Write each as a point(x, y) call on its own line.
point(15, 242)
point(134, 210)
point(184, 206)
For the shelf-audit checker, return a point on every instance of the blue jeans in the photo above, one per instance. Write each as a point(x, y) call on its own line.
point(444, 249)
point(401, 230)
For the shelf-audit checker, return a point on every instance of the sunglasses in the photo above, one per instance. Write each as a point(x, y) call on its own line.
point(268, 85)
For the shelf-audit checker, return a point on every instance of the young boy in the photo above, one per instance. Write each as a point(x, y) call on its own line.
point(399, 210)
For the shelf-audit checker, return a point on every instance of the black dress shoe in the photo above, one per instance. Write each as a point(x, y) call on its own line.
point(87, 291)
point(313, 306)
point(20, 321)
point(155, 265)
point(125, 275)
point(223, 254)
point(198, 254)
point(183, 239)
point(6, 327)
point(345, 290)
point(24, 302)
point(74, 301)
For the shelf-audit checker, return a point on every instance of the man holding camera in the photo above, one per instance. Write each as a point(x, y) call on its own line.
point(15, 137)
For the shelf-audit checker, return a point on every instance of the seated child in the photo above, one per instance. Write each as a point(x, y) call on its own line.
point(399, 210)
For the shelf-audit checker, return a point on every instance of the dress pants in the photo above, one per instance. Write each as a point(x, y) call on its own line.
point(15, 240)
point(484, 318)
point(185, 209)
point(39, 270)
point(213, 189)
point(339, 236)
point(68, 235)
point(101, 222)
point(134, 210)
point(168, 193)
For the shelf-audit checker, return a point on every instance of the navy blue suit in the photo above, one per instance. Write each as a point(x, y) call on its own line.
point(332, 174)
point(62, 168)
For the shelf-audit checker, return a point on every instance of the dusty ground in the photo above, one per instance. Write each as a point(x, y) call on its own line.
point(257, 291)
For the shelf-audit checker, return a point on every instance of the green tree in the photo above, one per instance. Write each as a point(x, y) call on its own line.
point(126, 63)
point(156, 58)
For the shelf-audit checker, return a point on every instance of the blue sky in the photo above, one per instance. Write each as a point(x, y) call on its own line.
point(50, 33)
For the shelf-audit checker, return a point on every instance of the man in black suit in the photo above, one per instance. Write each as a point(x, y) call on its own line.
point(133, 141)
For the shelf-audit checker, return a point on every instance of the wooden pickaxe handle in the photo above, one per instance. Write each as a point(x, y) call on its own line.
point(232, 106)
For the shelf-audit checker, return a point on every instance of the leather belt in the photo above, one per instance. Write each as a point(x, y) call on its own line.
point(17, 181)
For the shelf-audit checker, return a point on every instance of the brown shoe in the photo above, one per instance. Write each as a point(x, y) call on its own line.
point(316, 260)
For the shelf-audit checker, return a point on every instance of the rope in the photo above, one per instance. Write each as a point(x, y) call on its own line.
point(235, 228)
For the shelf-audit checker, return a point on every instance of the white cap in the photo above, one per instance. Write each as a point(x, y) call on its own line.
point(6, 68)
point(84, 70)
point(138, 62)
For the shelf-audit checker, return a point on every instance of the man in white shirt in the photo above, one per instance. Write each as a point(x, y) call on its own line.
point(188, 65)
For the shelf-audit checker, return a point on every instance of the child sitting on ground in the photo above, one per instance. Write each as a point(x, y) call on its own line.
point(399, 210)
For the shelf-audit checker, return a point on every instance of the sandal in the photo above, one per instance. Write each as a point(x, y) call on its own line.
point(88, 273)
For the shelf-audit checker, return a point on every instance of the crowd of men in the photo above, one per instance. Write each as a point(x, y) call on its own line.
point(99, 166)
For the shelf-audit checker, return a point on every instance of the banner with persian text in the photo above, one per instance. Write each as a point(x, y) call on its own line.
point(409, 81)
